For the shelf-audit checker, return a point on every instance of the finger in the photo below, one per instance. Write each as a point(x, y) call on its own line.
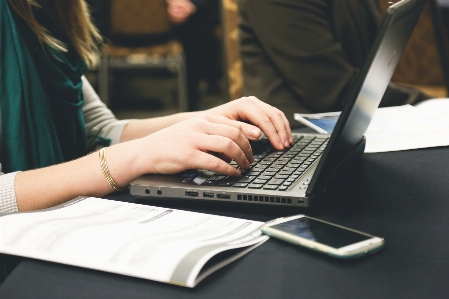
point(212, 163)
point(257, 116)
point(278, 120)
point(249, 131)
point(226, 146)
point(221, 156)
point(233, 132)
point(289, 130)
point(280, 123)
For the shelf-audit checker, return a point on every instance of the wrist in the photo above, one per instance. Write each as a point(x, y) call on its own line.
point(124, 162)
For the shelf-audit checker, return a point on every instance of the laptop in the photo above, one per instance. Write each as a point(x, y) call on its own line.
point(297, 175)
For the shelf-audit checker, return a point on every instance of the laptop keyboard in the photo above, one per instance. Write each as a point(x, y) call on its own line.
point(273, 169)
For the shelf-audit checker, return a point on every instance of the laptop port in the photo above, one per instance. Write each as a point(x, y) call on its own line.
point(224, 196)
point(208, 194)
point(192, 193)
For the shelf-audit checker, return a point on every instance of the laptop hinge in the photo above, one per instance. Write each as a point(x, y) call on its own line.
point(352, 156)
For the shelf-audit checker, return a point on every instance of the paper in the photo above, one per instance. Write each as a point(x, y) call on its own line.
point(160, 244)
point(407, 127)
point(435, 107)
point(403, 128)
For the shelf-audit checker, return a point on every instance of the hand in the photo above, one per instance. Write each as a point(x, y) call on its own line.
point(269, 119)
point(203, 142)
point(180, 10)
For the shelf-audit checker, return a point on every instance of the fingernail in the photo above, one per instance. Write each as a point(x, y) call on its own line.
point(255, 133)
point(281, 145)
point(291, 139)
point(286, 143)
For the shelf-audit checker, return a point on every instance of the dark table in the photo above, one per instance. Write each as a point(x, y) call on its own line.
point(401, 196)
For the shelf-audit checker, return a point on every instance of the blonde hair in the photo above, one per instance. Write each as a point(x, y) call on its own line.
point(72, 16)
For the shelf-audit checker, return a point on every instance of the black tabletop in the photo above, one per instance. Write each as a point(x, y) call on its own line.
point(401, 196)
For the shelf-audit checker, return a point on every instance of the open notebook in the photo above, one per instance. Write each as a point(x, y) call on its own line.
point(166, 245)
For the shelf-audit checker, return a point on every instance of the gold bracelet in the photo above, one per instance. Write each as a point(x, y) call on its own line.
point(105, 169)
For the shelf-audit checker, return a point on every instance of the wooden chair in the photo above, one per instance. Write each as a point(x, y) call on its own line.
point(140, 39)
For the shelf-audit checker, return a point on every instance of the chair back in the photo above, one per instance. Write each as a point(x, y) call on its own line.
point(139, 23)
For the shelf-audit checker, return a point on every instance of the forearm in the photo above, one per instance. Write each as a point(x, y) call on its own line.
point(185, 143)
point(50, 186)
point(141, 128)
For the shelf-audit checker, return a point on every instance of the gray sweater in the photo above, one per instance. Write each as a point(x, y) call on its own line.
point(99, 121)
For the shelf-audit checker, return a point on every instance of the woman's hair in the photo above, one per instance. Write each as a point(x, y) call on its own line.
point(71, 16)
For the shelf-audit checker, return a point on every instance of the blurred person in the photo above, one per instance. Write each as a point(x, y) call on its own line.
point(195, 26)
point(301, 56)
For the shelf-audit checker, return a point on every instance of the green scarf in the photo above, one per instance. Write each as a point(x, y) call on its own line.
point(41, 98)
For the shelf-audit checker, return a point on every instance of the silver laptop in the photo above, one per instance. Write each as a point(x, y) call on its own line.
point(295, 176)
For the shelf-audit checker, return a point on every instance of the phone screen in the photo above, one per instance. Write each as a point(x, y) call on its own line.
point(326, 123)
point(321, 232)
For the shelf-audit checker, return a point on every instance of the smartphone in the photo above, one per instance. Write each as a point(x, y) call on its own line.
point(323, 123)
point(331, 239)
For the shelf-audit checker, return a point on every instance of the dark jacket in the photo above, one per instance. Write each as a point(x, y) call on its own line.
point(301, 55)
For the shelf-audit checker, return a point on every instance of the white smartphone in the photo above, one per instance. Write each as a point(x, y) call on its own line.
point(322, 236)
point(323, 123)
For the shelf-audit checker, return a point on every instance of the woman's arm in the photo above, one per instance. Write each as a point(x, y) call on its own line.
point(186, 145)
point(46, 187)
point(263, 117)
point(164, 145)
point(8, 202)
point(101, 121)
point(143, 127)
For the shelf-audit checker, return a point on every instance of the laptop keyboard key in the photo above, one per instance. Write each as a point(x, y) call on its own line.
point(228, 182)
point(252, 172)
point(255, 186)
point(240, 185)
point(285, 172)
point(270, 187)
point(275, 182)
point(247, 179)
point(269, 173)
point(258, 181)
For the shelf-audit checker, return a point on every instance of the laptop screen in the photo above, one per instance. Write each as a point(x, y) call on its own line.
point(368, 89)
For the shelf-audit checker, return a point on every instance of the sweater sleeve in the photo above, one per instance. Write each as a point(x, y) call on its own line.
point(101, 124)
point(8, 201)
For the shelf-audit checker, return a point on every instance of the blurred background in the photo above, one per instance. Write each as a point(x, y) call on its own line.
point(156, 62)
point(152, 64)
